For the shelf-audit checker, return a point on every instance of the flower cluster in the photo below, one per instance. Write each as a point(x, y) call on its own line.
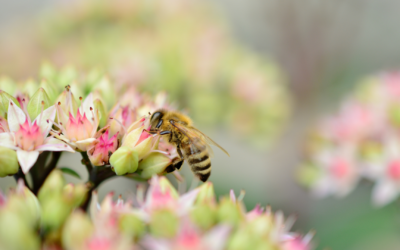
point(160, 218)
point(33, 122)
point(180, 46)
point(361, 141)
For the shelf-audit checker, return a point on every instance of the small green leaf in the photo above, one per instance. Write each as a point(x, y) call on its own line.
point(70, 172)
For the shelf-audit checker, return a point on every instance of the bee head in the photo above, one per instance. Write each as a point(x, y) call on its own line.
point(156, 119)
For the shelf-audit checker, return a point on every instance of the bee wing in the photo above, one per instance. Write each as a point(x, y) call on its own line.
point(192, 132)
point(208, 140)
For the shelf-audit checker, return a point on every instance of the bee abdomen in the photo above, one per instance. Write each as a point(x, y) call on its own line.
point(201, 167)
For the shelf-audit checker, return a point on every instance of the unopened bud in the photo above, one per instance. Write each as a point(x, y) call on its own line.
point(164, 223)
point(8, 162)
point(131, 225)
point(154, 164)
point(124, 160)
point(77, 230)
point(5, 99)
point(39, 102)
point(229, 212)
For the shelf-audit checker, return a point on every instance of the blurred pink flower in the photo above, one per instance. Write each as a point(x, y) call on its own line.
point(385, 171)
point(299, 243)
point(162, 195)
point(349, 124)
point(189, 237)
point(339, 171)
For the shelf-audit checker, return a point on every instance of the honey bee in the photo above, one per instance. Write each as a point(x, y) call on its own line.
point(191, 144)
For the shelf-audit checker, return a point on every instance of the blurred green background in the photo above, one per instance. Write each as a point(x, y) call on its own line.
point(323, 48)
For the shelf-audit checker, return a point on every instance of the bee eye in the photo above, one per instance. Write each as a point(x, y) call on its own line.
point(159, 124)
point(155, 116)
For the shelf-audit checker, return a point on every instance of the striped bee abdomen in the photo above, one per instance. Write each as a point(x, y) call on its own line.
point(197, 156)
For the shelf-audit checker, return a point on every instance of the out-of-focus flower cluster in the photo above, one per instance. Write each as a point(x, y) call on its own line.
point(179, 46)
point(360, 142)
point(160, 218)
point(49, 116)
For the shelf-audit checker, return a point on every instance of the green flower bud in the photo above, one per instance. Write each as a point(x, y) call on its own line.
point(30, 87)
point(229, 212)
point(124, 160)
point(164, 223)
point(8, 162)
point(66, 76)
point(16, 234)
point(47, 71)
point(74, 195)
point(53, 186)
point(262, 225)
point(98, 105)
point(77, 229)
point(166, 186)
point(4, 102)
point(204, 216)
point(254, 234)
point(24, 203)
point(54, 212)
point(106, 90)
point(131, 225)
point(153, 164)
point(7, 85)
point(39, 102)
point(51, 91)
point(206, 194)
point(244, 239)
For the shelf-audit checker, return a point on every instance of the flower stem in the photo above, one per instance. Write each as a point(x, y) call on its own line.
point(46, 171)
point(21, 175)
point(96, 177)
point(85, 161)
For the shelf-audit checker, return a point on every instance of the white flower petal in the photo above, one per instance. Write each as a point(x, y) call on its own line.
point(94, 206)
point(85, 107)
point(384, 192)
point(26, 159)
point(186, 201)
point(48, 114)
point(7, 140)
point(84, 144)
point(216, 238)
point(53, 144)
point(15, 117)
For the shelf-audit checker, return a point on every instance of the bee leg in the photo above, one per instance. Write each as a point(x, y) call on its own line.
point(166, 132)
point(178, 148)
point(176, 164)
point(170, 169)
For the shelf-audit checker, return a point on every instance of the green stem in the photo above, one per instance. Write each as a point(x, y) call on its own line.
point(38, 169)
point(46, 171)
point(96, 177)
point(21, 175)
point(85, 161)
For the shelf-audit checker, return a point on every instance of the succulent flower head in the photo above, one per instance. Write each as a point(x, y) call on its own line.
point(29, 138)
point(77, 128)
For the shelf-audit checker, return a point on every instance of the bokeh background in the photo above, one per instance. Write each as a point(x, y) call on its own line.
point(322, 48)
